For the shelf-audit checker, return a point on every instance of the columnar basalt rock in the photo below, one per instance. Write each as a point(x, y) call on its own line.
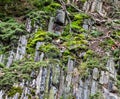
point(1, 94)
point(95, 73)
point(21, 49)
point(2, 58)
point(38, 55)
point(10, 59)
point(28, 25)
point(93, 6)
point(51, 23)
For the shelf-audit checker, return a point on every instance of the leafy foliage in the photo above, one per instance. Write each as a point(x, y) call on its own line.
point(10, 30)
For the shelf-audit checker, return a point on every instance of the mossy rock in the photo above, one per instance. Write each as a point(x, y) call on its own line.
point(52, 7)
point(14, 90)
point(77, 22)
point(50, 50)
point(38, 37)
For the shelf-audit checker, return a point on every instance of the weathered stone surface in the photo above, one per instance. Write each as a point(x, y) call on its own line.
point(104, 78)
point(38, 57)
point(28, 25)
point(16, 96)
point(10, 59)
point(51, 24)
point(1, 94)
point(1, 58)
point(60, 17)
point(111, 68)
point(95, 73)
point(38, 81)
point(94, 87)
point(21, 49)
point(109, 95)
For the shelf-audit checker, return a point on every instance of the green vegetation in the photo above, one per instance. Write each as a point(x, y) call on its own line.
point(77, 22)
point(14, 90)
point(21, 70)
point(96, 96)
point(56, 48)
point(10, 30)
point(96, 33)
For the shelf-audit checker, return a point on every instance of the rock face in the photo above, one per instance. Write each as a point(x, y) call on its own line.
point(52, 78)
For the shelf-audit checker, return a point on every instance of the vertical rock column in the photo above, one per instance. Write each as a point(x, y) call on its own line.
point(108, 80)
point(94, 81)
point(68, 79)
point(1, 94)
point(21, 49)
point(1, 58)
point(10, 58)
point(28, 25)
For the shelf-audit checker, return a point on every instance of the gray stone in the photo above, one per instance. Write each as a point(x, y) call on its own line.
point(10, 59)
point(85, 26)
point(111, 68)
point(28, 25)
point(60, 17)
point(104, 77)
point(1, 94)
point(95, 73)
point(51, 23)
point(38, 57)
point(21, 49)
point(94, 87)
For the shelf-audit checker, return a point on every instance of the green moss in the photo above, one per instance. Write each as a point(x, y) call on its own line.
point(66, 53)
point(19, 70)
point(107, 42)
point(14, 90)
point(75, 42)
point(83, 1)
point(96, 33)
point(88, 54)
point(38, 37)
point(2, 65)
point(96, 96)
point(50, 50)
point(77, 22)
point(41, 18)
point(80, 16)
point(52, 8)
point(8, 78)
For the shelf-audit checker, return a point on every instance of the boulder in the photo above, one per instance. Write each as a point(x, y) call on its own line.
point(60, 17)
